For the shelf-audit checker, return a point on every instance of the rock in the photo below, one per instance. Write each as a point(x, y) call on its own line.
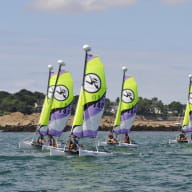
point(28, 123)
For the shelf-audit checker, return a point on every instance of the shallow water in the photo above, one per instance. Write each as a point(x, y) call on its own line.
point(153, 166)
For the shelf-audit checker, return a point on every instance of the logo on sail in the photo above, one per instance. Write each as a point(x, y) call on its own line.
point(92, 83)
point(128, 96)
point(61, 92)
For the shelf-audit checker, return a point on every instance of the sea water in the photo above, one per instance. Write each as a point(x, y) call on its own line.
point(154, 166)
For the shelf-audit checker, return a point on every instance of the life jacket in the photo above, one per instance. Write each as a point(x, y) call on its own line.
point(127, 139)
point(70, 146)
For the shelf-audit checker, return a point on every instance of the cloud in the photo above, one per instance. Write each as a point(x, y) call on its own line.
point(78, 6)
point(173, 2)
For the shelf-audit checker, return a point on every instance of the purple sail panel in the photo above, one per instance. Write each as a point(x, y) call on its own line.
point(78, 131)
point(94, 109)
point(61, 113)
point(92, 117)
point(78, 134)
point(187, 129)
point(127, 118)
point(122, 131)
point(126, 77)
point(128, 113)
point(86, 133)
point(43, 130)
point(55, 132)
point(90, 57)
point(59, 120)
point(90, 133)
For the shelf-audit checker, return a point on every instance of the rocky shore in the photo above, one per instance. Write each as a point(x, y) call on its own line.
point(18, 122)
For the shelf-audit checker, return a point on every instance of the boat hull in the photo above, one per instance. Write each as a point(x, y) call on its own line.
point(173, 141)
point(47, 147)
point(83, 152)
point(104, 143)
point(62, 152)
point(29, 145)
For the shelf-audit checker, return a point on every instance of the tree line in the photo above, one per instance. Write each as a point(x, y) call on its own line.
point(28, 102)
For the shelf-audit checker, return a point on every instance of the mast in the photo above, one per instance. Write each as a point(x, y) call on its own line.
point(124, 71)
point(190, 83)
point(61, 63)
point(50, 67)
point(86, 48)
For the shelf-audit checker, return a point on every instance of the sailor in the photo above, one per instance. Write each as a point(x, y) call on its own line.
point(182, 137)
point(73, 143)
point(51, 141)
point(40, 139)
point(127, 139)
point(111, 139)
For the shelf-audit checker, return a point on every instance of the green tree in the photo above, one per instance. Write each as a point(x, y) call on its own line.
point(176, 108)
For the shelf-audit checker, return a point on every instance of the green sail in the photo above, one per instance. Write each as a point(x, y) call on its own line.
point(91, 100)
point(126, 110)
point(46, 110)
point(187, 121)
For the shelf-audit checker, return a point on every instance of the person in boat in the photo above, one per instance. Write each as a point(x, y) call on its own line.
point(182, 137)
point(111, 139)
point(51, 141)
point(127, 139)
point(73, 143)
point(40, 139)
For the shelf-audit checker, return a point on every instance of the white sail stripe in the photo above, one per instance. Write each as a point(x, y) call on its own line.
point(127, 123)
point(44, 128)
point(58, 124)
point(93, 122)
point(77, 129)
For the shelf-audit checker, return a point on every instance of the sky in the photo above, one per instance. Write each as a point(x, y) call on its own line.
point(152, 38)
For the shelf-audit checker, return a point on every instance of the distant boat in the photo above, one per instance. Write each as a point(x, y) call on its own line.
point(126, 110)
point(187, 121)
point(56, 108)
point(90, 106)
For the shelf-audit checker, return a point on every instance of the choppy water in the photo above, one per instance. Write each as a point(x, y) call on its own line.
point(153, 166)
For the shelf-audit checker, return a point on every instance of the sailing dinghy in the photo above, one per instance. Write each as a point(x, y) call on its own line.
point(126, 110)
point(56, 109)
point(187, 121)
point(90, 106)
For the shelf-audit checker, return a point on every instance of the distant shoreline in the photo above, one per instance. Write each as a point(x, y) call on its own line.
point(18, 122)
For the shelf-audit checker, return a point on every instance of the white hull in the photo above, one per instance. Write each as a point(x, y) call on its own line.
point(82, 152)
point(93, 153)
point(104, 143)
point(62, 152)
point(57, 152)
point(26, 144)
point(172, 141)
point(127, 144)
point(47, 147)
